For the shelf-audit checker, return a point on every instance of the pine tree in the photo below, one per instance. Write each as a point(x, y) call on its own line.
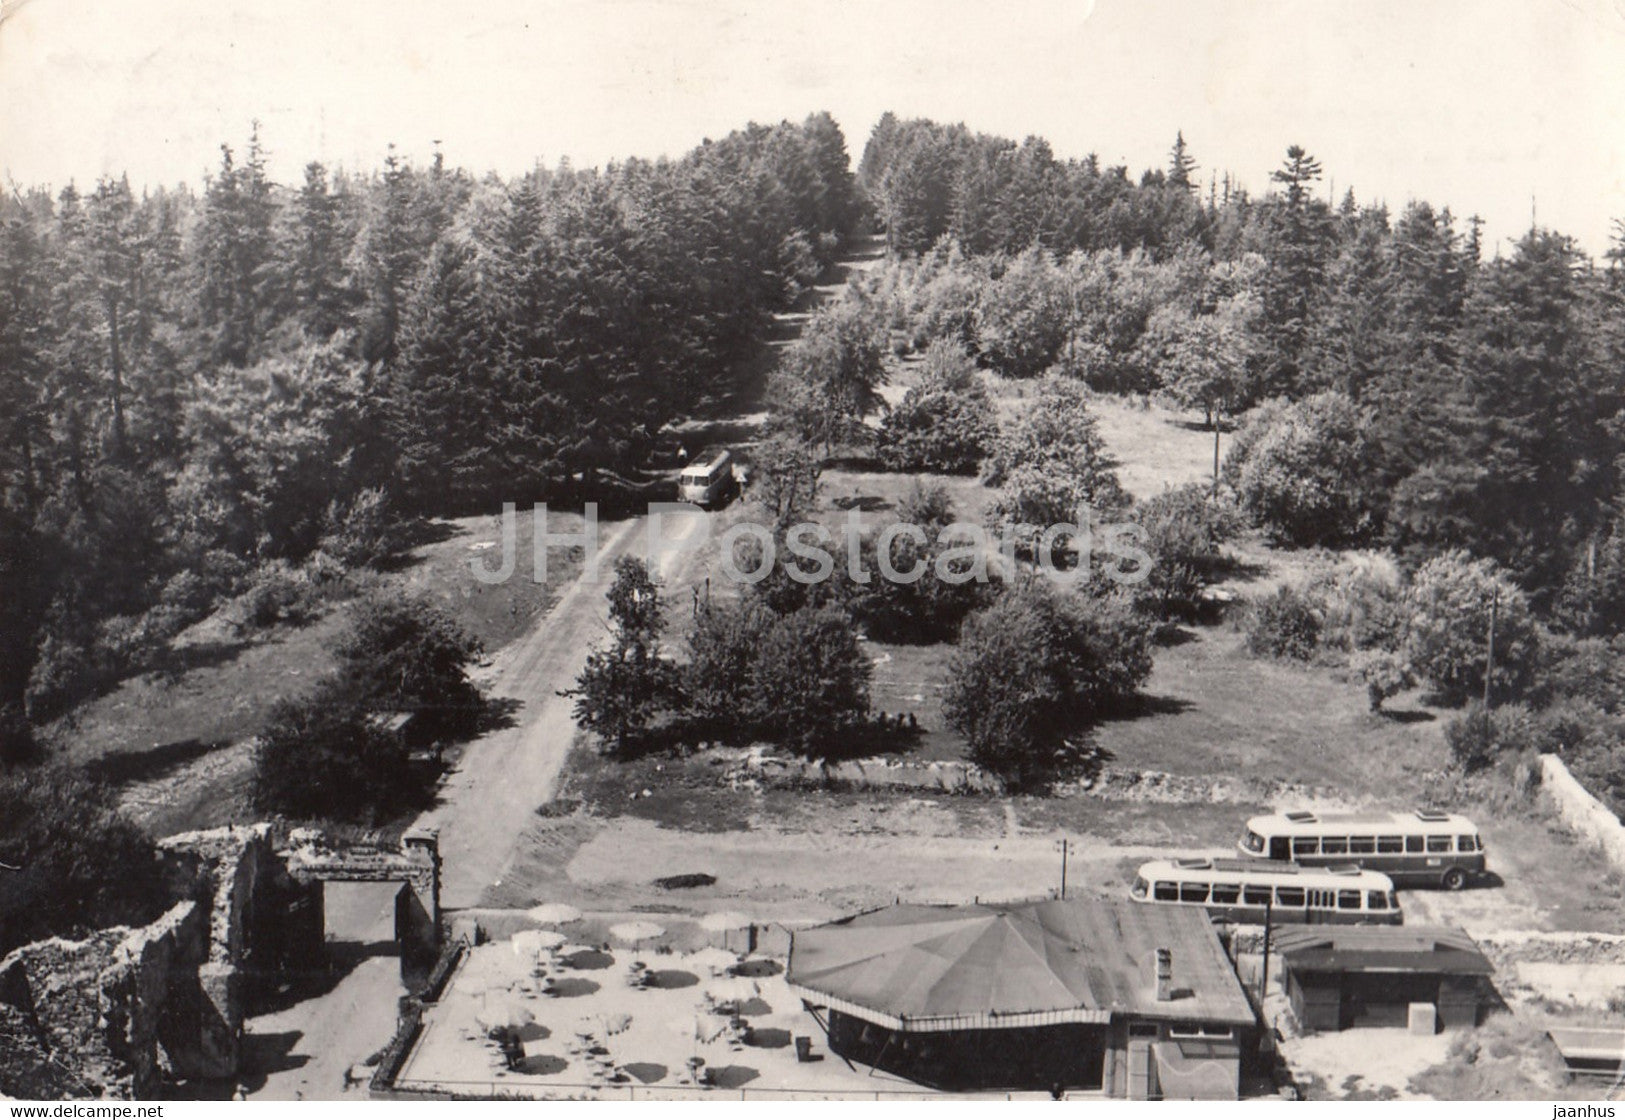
point(1181, 165)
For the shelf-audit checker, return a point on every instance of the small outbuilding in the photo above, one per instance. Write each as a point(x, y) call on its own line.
point(1369, 976)
point(1117, 997)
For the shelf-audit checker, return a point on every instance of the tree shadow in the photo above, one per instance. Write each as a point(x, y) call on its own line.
point(672, 978)
point(1144, 705)
point(855, 463)
point(498, 713)
point(1406, 715)
point(863, 503)
point(731, 1077)
point(1231, 568)
point(143, 766)
point(573, 987)
point(1203, 425)
point(541, 1065)
point(1168, 635)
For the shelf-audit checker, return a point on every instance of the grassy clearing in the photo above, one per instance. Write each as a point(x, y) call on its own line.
point(176, 742)
point(1217, 710)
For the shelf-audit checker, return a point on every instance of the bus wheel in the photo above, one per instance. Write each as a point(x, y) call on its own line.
point(1454, 879)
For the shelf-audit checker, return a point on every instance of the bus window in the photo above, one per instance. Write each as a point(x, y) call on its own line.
point(1348, 900)
point(1438, 843)
point(1376, 900)
point(1361, 845)
point(1289, 896)
point(1305, 846)
point(1466, 843)
point(1387, 844)
point(1413, 843)
point(1393, 901)
point(1140, 887)
point(1193, 892)
point(1226, 894)
point(1253, 842)
point(1256, 896)
point(1165, 892)
point(1334, 845)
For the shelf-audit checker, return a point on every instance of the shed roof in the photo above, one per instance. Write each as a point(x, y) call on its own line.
point(981, 966)
point(1438, 949)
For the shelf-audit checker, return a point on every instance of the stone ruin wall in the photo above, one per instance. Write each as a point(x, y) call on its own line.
point(120, 1012)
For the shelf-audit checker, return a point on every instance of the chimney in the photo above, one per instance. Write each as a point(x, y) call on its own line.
point(1165, 975)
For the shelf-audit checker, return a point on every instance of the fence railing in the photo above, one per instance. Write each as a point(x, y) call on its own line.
point(560, 1090)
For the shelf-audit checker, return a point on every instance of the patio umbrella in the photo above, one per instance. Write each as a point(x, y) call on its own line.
point(724, 920)
point(731, 988)
point(713, 960)
point(531, 942)
point(634, 932)
point(553, 914)
point(503, 1012)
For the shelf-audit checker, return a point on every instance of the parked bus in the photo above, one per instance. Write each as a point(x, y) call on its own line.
point(1242, 890)
point(708, 481)
point(1417, 849)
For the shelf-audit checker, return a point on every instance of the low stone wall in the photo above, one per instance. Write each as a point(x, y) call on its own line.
point(1582, 812)
point(759, 767)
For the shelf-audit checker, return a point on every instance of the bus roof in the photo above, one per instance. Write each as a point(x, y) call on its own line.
point(1307, 823)
point(1264, 870)
point(708, 460)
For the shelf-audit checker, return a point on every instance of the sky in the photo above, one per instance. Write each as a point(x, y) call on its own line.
point(1488, 106)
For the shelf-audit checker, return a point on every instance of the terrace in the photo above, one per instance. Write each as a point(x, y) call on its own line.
point(546, 1015)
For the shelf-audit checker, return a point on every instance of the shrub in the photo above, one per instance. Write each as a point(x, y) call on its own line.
point(721, 653)
point(1185, 530)
point(931, 608)
point(410, 656)
point(1591, 669)
point(1034, 671)
point(325, 756)
point(1300, 470)
point(1050, 463)
point(1479, 736)
point(945, 422)
point(1386, 674)
point(810, 679)
point(1286, 625)
point(800, 678)
point(1362, 603)
point(277, 593)
point(79, 864)
point(1448, 611)
point(362, 531)
point(947, 431)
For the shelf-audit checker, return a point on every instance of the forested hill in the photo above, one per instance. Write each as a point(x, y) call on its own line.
point(1396, 384)
point(194, 386)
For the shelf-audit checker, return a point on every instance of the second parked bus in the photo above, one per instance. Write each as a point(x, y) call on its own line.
point(1418, 849)
point(1244, 890)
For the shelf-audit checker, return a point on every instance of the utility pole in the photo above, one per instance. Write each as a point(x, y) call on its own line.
point(1065, 846)
point(1489, 656)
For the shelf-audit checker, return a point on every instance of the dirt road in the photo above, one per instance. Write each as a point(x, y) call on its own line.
point(488, 802)
point(490, 799)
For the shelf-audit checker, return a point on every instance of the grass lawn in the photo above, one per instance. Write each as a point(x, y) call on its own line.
point(175, 742)
point(1219, 711)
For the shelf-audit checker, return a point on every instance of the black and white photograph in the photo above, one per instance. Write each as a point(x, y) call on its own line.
point(888, 551)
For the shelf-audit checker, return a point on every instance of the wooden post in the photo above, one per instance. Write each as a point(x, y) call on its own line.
point(1215, 454)
point(1489, 656)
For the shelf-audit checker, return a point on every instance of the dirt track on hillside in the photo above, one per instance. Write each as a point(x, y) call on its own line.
point(502, 778)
